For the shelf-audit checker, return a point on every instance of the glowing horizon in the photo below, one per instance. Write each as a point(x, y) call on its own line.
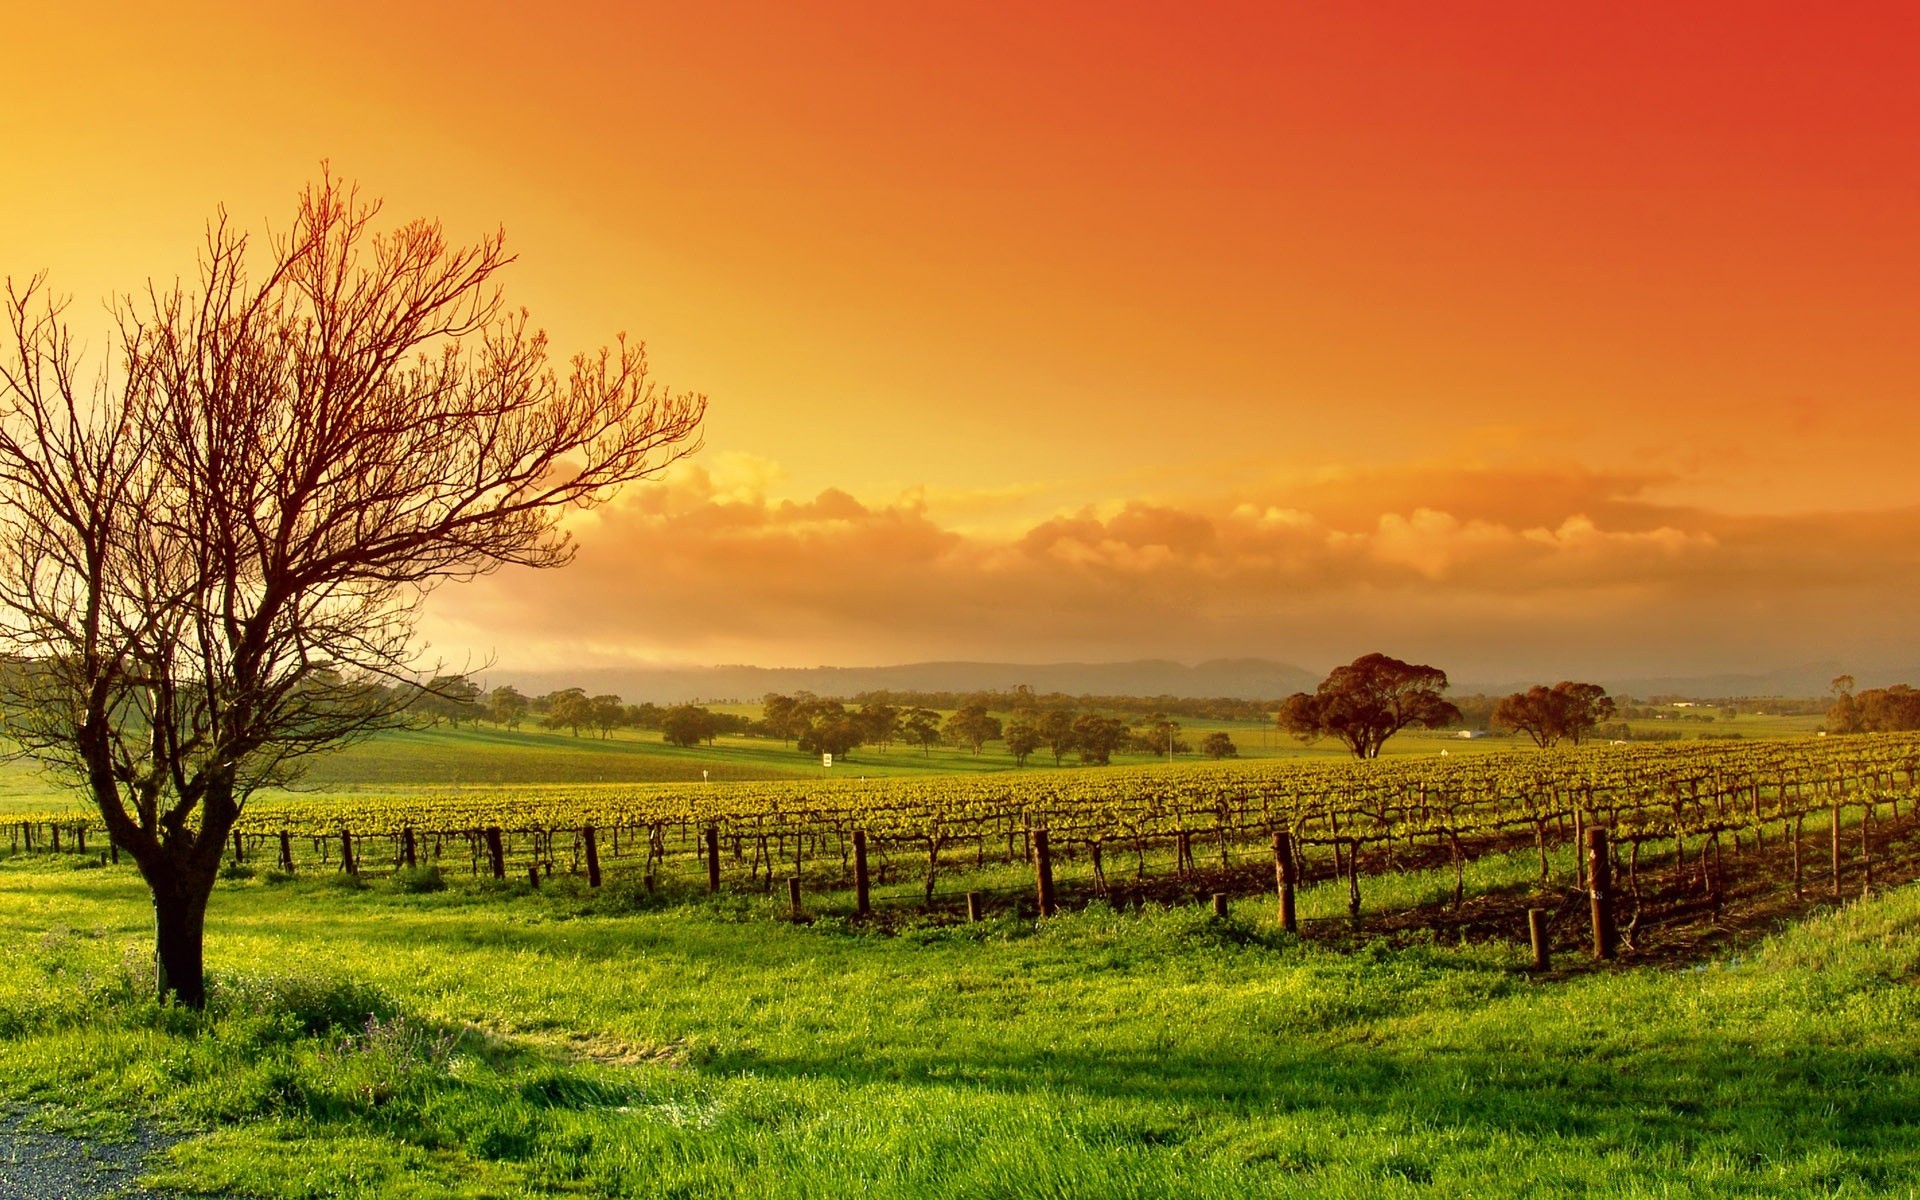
point(1516, 340)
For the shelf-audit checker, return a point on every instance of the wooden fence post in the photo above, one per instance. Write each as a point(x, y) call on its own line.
point(1600, 883)
point(407, 849)
point(793, 898)
point(1836, 849)
point(862, 895)
point(286, 852)
point(1866, 849)
point(973, 906)
point(533, 877)
point(1043, 872)
point(1537, 934)
point(1283, 879)
point(239, 849)
point(346, 853)
point(496, 852)
point(713, 858)
point(593, 856)
point(1220, 906)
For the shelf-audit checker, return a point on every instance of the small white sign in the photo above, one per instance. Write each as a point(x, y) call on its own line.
point(826, 760)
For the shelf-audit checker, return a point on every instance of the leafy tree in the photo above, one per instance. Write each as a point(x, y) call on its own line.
point(1219, 744)
point(835, 733)
point(1022, 740)
point(1565, 710)
point(213, 553)
point(1893, 709)
point(567, 709)
point(506, 707)
point(686, 725)
point(778, 712)
point(879, 723)
point(1055, 728)
point(645, 715)
point(1097, 737)
point(607, 713)
point(920, 727)
point(1846, 715)
point(1160, 735)
point(1368, 701)
point(449, 698)
point(972, 727)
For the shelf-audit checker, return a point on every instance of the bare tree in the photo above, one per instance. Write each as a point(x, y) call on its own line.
point(212, 555)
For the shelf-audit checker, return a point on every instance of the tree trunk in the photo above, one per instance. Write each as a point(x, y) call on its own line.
point(179, 926)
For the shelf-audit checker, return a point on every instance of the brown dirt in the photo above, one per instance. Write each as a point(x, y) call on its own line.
point(1680, 917)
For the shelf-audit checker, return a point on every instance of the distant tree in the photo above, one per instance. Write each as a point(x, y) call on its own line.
point(778, 712)
point(1022, 740)
point(1368, 701)
point(835, 733)
point(1097, 737)
point(1846, 715)
point(879, 723)
point(567, 709)
point(1022, 702)
point(607, 714)
point(1893, 709)
point(1159, 736)
point(686, 725)
point(1055, 727)
point(506, 707)
point(972, 727)
point(449, 698)
point(1565, 710)
point(645, 715)
point(920, 727)
point(1219, 744)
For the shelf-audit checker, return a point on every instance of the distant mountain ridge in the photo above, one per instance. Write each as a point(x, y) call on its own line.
point(1236, 678)
point(1808, 679)
point(1233, 678)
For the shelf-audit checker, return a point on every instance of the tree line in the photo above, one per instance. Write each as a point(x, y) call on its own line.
point(1894, 709)
point(1361, 705)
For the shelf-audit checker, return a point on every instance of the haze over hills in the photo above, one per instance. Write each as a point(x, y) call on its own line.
point(1247, 678)
point(1240, 678)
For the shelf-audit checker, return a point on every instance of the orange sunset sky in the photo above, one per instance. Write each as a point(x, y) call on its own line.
point(1530, 340)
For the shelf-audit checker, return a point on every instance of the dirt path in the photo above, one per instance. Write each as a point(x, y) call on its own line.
point(36, 1165)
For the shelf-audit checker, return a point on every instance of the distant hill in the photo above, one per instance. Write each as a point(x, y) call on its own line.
point(1810, 679)
point(1237, 678)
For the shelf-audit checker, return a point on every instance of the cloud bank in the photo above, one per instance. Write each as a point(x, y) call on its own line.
point(1490, 573)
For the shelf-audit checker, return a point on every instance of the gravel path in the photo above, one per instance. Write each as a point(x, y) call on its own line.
point(35, 1165)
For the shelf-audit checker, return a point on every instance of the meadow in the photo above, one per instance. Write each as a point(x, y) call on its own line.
point(444, 756)
point(488, 1040)
point(443, 1035)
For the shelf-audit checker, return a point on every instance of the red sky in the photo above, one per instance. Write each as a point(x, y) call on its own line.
point(1524, 339)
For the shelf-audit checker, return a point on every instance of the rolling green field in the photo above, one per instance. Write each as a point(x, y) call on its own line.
point(453, 1036)
point(556, 1043)
point(443, 757)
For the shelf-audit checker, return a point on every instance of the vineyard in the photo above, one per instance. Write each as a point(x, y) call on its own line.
point(1022, 840)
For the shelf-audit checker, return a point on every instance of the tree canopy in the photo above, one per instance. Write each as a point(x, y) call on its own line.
point(1565, 710)
point(1368, 701)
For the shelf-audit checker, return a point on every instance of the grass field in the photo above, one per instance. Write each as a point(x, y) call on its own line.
point(560, 1044)
point(443, 757)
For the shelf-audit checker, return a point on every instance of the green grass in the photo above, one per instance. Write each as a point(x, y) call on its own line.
point(560, 1043)
point(446, 757)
